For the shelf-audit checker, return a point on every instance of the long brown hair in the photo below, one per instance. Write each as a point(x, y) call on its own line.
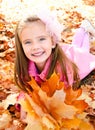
point(21, 63)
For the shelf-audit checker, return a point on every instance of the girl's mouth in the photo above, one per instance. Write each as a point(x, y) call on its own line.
point(37, 54)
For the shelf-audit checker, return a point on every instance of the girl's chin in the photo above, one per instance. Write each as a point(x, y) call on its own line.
point(39, 60)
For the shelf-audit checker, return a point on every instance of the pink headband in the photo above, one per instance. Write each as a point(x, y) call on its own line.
point(52, 23)
point(49, 18)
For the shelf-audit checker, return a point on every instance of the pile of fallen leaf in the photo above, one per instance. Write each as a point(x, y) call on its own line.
point(70, 14)
point(89, 2)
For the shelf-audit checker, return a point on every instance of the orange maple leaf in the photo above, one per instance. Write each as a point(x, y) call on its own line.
point(81, 105)
point(54, 105)
point(34, 85)
point(52, 84)
point(71, 98)
point(35, 94)
point(71, 95)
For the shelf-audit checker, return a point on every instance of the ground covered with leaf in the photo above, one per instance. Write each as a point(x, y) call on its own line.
point(70, 14)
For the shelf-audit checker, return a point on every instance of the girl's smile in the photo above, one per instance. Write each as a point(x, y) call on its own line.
point(37, 54)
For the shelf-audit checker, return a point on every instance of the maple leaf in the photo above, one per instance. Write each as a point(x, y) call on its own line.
point(50, 104)
point(49, 86)
point(71, 95)
point(71, 123)
point(34, 85)
point(52, 84)
point(81, 105)
point(71, 98)
point(36, 116)
point(77, 124)
point(85, 125)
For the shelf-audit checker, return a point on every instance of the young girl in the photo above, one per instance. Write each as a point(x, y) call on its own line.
point(39, 54)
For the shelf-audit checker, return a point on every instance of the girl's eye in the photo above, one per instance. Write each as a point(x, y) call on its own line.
point(41, 39)
point(28, 42)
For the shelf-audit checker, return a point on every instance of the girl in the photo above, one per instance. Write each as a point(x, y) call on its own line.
point(39, 54)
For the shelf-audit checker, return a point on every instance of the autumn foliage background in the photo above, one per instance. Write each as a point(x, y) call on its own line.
point(70, 13)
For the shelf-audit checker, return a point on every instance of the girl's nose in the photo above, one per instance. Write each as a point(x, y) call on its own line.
point(35, 45)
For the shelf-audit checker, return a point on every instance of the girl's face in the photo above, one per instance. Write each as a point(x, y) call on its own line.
point(37, 43)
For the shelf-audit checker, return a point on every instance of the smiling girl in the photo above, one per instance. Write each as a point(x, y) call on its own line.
point(39, 54)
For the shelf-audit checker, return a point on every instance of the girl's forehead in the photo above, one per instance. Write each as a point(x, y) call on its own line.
point(28, 24)
point(37, 23)
point(35, 28)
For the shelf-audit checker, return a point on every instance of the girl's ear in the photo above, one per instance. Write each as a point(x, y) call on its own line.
point(53, 46)
point(53, 43)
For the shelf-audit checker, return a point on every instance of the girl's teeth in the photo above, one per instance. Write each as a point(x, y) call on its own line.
point(37, 54)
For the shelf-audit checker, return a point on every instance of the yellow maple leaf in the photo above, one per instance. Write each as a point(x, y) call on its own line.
point(52, 106)
point(84, 125)
point(71, 123)
point(76, 124)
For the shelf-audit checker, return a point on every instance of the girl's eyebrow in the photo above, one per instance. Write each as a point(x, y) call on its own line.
point(26, 40)
point(36, 37)
point(42, 36)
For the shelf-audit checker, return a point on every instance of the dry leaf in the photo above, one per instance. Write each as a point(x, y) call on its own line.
point(71, 95)
point(52, 84)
